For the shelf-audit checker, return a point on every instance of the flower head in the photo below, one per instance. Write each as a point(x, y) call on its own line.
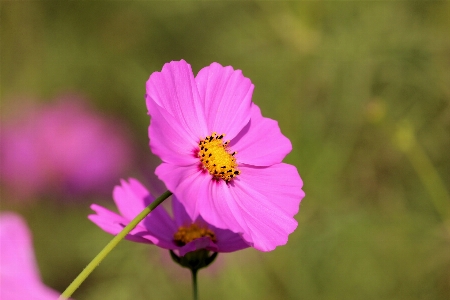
point(64, 147)
point(19, 275)
point(180, 233)
point(220, 156)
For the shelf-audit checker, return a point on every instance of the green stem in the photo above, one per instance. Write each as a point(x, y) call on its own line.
point(194, 283)
point(113, 243)
point(424, 168)
point(431, 179)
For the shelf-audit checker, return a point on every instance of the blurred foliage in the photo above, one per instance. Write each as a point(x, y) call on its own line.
point(362, 89)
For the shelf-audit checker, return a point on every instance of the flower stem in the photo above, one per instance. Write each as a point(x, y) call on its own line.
point(194, 283)
point(113, 243)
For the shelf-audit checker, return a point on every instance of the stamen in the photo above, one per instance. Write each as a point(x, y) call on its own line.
point(218, 157)
point(186, 234)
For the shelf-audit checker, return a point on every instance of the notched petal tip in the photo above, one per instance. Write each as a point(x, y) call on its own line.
point(226, 96)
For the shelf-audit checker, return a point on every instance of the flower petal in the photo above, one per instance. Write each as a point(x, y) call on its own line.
point(219, 209)
point(180, 215)
point(260, 143)
point(200, 194)
point(228, 241)
point(269, 198)
point(226, 96)
point(131, 198)
point(158, 223)
point(260, 203)
point(113, 223)
point(174, 89)
point(281, 184)
point(17, 251)
point(19, 275)
point(161, 226)
point(169, 139)
point(188, 184)
point(197, 244)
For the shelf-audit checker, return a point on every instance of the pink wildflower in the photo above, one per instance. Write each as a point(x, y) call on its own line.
point(180, 233)
point(64, 147)
point(19, 274)
point(221, 157)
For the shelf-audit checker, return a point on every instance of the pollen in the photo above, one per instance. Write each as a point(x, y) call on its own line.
point(186, 234)
point(217, 158)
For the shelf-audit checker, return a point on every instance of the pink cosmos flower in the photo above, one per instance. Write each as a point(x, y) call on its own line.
point(221, 157)
point(180, 233)
point(62, 147)
point(19, 275)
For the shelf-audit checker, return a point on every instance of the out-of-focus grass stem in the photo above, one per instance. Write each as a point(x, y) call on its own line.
point(421, 162)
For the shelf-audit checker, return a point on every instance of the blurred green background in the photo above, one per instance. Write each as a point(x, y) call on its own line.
point(362, 89)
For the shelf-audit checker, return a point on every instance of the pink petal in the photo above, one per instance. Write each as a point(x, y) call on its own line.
point(180, 215)
point(131, 198)
point(260, 203)
point(157, 228)
point(174, 89)
point(198, 193)
point(169, 139)
point(268, 199)
point(161, 226)
point(280, 183)
point(113, 223)
point(220, 210)
point(19, 275)
point(197, 244)
point(17, 289)
point(228, 241)
point(227, 97)
point(260, 143)
point(188, 184)
point(17, 251)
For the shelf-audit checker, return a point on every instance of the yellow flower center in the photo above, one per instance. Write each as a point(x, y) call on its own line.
point(216, 158)
point(186, 234)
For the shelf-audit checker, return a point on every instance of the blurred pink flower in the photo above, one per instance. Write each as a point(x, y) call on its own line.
point(19, 274)
point(63, 147)
point(179, 233)
point(241, 184)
